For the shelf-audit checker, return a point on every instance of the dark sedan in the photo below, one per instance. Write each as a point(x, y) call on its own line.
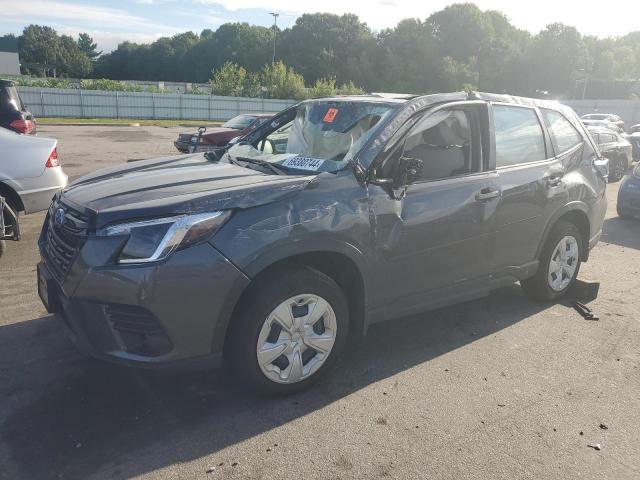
point(629, 195)
point(13, 113)
point(220, 136)
point(616, 149)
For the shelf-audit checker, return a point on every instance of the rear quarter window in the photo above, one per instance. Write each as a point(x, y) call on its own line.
point(564, 135)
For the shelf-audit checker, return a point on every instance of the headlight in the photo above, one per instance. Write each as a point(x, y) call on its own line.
point(154, 240)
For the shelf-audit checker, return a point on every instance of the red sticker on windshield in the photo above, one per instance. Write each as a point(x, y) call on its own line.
point(330, 115)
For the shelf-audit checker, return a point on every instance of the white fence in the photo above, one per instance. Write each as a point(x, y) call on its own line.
point(76, 103)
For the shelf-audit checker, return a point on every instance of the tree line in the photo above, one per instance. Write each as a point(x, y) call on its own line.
point(460, 46)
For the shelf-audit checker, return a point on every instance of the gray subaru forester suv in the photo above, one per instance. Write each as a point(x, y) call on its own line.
point(336, 214)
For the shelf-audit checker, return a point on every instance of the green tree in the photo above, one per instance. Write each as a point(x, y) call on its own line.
point(88, 46)
point(281, 81)
point(323, 87)
point(321, 45)
point(229, 80)
point(561, 50)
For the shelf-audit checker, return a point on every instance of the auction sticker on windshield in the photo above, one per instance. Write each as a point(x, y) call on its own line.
point(303, 163)
point(330, 115)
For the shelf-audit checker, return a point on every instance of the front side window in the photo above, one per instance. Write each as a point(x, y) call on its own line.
point(564, 136)
point(321, 136)
point(443, 141)
point(519, 136)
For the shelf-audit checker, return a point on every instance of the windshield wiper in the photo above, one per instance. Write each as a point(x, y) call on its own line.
point(263, 163)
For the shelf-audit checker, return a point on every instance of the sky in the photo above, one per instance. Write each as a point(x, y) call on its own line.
point(111, 22)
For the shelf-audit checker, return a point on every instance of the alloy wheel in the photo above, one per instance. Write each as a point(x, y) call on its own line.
point(296, 338)
point(563, 263)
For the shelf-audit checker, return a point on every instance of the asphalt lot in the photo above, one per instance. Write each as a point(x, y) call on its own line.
point(499, 388)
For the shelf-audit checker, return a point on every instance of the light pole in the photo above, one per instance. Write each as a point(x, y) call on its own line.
point(275, 32)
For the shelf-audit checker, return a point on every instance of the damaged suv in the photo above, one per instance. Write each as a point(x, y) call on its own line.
point(371, 208)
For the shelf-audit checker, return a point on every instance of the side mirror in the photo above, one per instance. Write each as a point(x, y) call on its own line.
point(602, 166)
point(409, 169)
point(405, 172)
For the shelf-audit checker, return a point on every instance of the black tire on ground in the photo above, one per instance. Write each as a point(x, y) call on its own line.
point(537, 287)
point(617, 169)
point(262, 298)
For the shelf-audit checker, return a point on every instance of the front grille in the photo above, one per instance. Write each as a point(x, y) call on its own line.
point(61, 243)
point(139, 330)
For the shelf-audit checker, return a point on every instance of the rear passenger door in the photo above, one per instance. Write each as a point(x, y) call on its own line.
point(531, 183)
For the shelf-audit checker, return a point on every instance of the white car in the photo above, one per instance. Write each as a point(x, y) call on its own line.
point(30, 175)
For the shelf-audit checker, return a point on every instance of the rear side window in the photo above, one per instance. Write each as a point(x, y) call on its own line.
point(564, 136)
point(606, 138)
point(11, 96)
point(519, 136)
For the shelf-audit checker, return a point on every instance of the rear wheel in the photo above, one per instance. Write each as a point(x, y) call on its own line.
point(289, 331)
point(559, 263)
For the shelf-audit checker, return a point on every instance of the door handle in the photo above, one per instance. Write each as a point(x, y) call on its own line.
point(487, 194)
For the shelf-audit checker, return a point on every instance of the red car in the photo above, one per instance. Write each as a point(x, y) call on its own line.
point(220, 136)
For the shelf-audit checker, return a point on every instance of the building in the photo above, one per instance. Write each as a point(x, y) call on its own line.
point(9, 61)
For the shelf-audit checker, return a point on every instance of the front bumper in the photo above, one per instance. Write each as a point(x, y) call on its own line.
point(182, 146)
point(169, 314)
point(629, 196)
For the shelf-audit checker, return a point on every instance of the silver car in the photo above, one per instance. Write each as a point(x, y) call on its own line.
point(30, 175)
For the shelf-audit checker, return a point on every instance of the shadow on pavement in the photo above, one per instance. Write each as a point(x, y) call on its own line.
point(67, 415)
point(622, 231)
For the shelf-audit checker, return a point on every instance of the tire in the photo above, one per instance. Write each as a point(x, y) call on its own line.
point(3, 247)
point(539, 287)
point(617, 171)
point(254, 329)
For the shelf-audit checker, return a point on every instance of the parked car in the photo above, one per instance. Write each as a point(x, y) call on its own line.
point(603, 124)
point(220, 136)
point(616, 149)
point(634, 139)
point(13, 113)
point(629, 195)
point(379, 207)
point(30, 175)
point(606, 117)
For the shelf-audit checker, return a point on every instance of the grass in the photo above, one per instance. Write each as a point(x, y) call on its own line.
point(127, 121)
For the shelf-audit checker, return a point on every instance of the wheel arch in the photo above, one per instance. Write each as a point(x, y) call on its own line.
point(10, 194)
point(576, 213)
point(345, 265)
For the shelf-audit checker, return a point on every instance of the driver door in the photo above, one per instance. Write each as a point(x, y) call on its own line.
point(436, 242)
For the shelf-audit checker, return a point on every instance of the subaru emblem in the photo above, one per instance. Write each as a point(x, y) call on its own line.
point(58, 216)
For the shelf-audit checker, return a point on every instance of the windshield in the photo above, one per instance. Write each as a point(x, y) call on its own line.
point(323, 136)
point(240, 122)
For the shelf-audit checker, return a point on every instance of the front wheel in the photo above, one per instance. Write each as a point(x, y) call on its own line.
point(559, 263)
point(289, 330)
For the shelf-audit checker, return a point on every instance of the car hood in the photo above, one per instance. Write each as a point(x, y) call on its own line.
point(174, 185)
